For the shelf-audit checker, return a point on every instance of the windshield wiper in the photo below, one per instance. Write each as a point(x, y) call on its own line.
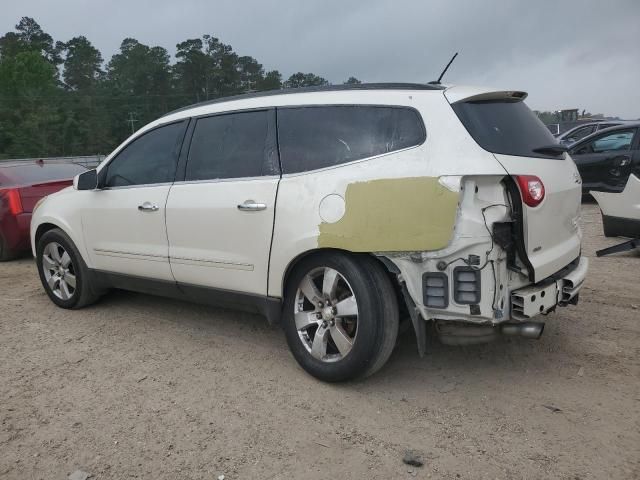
point(554, 150)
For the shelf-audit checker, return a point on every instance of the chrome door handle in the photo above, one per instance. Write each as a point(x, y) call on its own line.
point(251, 206)
point(148, 207)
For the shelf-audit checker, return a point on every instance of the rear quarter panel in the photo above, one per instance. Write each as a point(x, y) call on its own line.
point(392, 202)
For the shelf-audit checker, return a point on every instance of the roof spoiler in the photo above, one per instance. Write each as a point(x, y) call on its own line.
point(471, 94)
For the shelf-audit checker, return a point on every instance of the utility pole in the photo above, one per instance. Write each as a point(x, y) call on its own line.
point(131, 120)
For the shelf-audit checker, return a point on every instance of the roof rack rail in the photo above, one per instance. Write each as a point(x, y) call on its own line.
point(325, 88)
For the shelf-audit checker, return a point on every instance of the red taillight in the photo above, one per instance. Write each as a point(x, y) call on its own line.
point(531, 188)
point(14, 202)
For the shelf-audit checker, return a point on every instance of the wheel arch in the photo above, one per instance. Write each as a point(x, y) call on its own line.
point(316, 251)
point(48, 224)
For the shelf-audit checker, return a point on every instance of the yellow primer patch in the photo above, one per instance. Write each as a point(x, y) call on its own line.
point(393, 215)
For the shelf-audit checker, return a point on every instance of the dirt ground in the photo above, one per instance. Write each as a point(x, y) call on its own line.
point(144, 387)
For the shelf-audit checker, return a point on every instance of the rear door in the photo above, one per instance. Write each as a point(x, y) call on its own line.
point(220, 215)
point(605, 160)
point(501, 123)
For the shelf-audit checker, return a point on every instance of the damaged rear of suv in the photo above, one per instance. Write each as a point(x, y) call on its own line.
point(335, 212)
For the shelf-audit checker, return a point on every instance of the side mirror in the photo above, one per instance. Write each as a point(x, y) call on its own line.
point(86, 180)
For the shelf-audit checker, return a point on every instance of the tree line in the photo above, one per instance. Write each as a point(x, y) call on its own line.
point(61, 98)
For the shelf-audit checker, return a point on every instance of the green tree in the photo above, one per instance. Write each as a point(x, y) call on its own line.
point(193, 71)
point(29, 37)
point(300, 79)
point(137, 86)
point(352, 81)
point(29, 106)
point(94, 106)
point(272, 80)
point(82, 64)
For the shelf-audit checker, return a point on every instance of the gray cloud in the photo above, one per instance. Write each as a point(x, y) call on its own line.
point(580, 53)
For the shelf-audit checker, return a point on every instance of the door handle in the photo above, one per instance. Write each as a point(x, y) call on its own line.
point(148, 207)
point(251, 206)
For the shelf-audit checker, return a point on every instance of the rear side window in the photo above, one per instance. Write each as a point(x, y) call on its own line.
point(505, 127)
point(233, 145)
point(150, 158)
point(319, 137)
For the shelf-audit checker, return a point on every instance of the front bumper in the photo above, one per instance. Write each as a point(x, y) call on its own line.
point(544, 296)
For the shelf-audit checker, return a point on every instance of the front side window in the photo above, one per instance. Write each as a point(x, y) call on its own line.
point(324, 136)
point(233, 145)
point(615, 141)
point(149, 159)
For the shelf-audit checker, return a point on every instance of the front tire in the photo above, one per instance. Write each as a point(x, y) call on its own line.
point(341, 315)
point(63, 273)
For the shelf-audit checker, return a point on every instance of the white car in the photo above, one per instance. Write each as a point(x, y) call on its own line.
point(337, 212)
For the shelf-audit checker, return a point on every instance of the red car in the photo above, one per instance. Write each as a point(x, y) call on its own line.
point(22, 184)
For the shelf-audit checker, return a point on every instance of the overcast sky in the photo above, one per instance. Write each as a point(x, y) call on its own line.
point(567, 54)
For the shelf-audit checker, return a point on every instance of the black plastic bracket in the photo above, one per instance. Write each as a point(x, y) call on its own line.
point(622, 247)
point(419, 325)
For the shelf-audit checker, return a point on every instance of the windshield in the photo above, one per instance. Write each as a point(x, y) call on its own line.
point(506, 127)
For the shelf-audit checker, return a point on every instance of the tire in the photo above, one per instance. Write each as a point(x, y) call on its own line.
point(61, 268)
point(350, 330)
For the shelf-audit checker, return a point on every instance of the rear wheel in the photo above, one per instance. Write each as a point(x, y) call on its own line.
point(63, 273)
point(341, 316)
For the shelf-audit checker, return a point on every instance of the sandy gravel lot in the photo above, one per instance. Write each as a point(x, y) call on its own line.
point(143, 387)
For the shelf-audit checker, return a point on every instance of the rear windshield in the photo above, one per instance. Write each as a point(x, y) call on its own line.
point(505, 127)
point(33, 173)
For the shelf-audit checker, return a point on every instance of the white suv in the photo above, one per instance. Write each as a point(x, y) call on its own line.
point(337, 212)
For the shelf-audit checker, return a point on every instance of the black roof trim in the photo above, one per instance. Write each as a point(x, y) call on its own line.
point(327, 88)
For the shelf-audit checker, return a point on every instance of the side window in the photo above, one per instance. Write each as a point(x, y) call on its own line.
point(233, 145)
point(620, 140)
point(318, 137)
point(151, 158)
point(581, 133)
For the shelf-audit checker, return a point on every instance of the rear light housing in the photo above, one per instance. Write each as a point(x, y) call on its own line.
point(531, 189)
point(14, 202)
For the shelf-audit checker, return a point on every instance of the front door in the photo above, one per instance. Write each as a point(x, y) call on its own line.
point(220, 217)
point(124, 220)
point(605, 162)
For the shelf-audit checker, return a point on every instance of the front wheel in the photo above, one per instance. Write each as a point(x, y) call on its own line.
point(341, 315)
point(63, 273)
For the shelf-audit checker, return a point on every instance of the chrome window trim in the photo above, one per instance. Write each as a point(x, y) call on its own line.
point(227, 180)
point(142, 185)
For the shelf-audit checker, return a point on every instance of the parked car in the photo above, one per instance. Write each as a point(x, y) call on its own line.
point(330, 211)
point(621, 210)
point(605, 159)
point(577, 133)
point(22, 185)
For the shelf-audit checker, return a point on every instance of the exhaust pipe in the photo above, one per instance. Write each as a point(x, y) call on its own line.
point(526, 330)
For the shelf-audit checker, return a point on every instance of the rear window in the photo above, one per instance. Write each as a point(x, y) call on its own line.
point(34, 173)
point(505, 127)
point(325, 136)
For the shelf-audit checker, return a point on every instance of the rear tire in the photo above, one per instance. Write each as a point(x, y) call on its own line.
point(63, 273)
point(349, 329)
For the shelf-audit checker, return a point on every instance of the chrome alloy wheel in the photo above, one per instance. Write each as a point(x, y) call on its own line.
point(326, 314)
point(58, 271)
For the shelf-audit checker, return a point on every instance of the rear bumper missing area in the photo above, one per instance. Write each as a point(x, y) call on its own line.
point(544, 296)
